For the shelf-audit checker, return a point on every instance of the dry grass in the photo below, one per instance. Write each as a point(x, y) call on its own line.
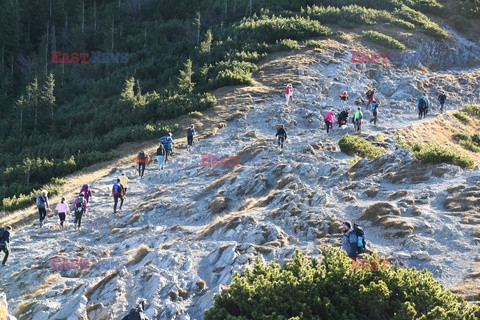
point(218, 205)
point(100, 284)
point(140, 253)
point(441, 130)
point(42, 288)
point(387, 216)
point(23, 308)
point(3, 312)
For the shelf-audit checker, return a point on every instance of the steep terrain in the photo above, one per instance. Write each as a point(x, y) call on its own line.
point(184, 231)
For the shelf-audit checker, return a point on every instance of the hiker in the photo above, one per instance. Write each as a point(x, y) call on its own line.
point(80, 207)
point(422, 107)
point(42, 205)
point(167, 142)
point(428, 103)
point(142, 160)
point(117, 192)
point(370, 96)
point(62, 211)
point(349, 239)
point(344, 98)
point(161, 156)
point(190, 135)
point(5, 242)
point(441, 98)
point(282, 135)
point(373, 108)
point(343, 117)
point(124, 181)
point(329, 120)
point(87, 192)
point(357, 120)
point(288, 93)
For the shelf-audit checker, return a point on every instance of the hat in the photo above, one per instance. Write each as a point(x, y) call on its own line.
point(348, 224)
point(170, 134)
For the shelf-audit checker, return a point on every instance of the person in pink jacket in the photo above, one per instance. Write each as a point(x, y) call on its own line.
point(80, 206)
point(62, 211)
point(288, 93)
point(329, 120)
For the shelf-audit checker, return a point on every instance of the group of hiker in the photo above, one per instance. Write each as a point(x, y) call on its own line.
point(372, 104)
point(80, 204)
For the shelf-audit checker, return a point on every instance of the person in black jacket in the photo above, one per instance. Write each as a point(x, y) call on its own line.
point(441, 98)
point(343, 117)
point(282, 135)
point(5, 242)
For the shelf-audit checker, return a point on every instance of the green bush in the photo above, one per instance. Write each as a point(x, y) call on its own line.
point(462, 116)
point(359, 146)
point(287, 44)
point(470, 145)
point(313, 44)
point(433, 154)
point(333, 289)
point(422, 20)
point(470, 142)
point(470, 7)
point(383, 40)
point(196, 114)
point(472, 109)
point(273, 28)
point(352, 16)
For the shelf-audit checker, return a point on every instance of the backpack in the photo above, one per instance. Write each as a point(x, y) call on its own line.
point(361, 243)
point(369, 94)
point(3, 233)
point(39, 200)
point(422, 103)
point(163, 140)
point(190, 132)
point(116, 188)
point(142, 155)
point(373, 106)
point(79, 204)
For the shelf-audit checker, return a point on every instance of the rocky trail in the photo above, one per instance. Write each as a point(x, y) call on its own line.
point(184, 231)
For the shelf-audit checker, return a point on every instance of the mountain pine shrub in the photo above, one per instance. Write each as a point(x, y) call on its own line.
point(333, 289)
point(433, 154)
point(462, 116)
point(359, 146)
point(383, 40)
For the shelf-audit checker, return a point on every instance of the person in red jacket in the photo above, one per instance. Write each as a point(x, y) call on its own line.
point(142, 160)
point(370, 96)
point(344, 98)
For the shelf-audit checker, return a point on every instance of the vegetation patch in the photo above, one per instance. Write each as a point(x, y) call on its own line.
point(383, 40)
point(333, 289)
point(435, 154)
point(462, 116)
point(354, 145)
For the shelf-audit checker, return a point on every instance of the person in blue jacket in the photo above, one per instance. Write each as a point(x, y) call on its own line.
point(349, 239)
